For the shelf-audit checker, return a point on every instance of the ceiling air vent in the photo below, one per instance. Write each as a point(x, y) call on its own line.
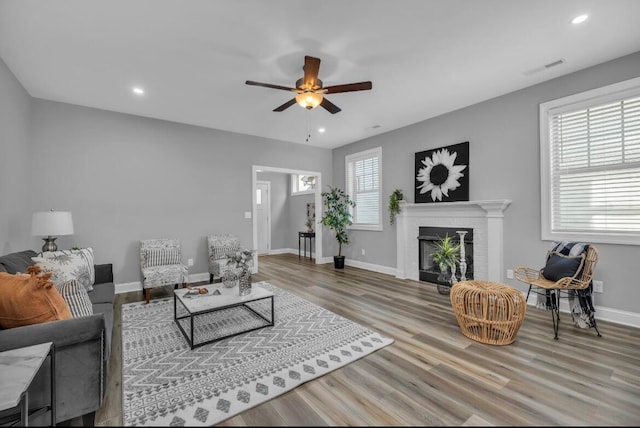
point(545, 67)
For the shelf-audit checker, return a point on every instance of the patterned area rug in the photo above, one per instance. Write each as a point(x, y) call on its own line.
point(165, 383)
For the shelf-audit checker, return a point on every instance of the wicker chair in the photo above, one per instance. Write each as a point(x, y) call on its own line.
point(553, 290)
point(161, 264)
point(219, 246)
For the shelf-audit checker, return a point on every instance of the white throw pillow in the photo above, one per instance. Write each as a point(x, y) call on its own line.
point(69, 264)
point(76, 297)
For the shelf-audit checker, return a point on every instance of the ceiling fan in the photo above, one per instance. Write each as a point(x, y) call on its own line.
point(309, 89)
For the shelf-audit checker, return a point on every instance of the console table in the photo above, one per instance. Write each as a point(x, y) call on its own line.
point(18, 368)
point(304, 236)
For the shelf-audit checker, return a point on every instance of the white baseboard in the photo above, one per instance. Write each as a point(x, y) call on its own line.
point(617, 316)
point(127, 287)
point(370, 266)
point(283, 251)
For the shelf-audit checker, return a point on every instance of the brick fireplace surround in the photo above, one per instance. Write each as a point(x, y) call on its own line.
point(486, 219)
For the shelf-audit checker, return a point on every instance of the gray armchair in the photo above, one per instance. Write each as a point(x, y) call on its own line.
point(161, 264)
point(219, 246)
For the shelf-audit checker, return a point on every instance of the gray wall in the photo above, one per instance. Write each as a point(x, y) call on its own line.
point(15, 168)
point(298, 216)
point(127, 178)
point(503, 135)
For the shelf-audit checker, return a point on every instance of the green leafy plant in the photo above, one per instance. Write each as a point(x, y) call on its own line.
point(309, 224)
point(447, 253)
point(394, 204)
point(337, 214)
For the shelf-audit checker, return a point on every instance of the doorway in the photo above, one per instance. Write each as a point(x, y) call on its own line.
point(317, 199)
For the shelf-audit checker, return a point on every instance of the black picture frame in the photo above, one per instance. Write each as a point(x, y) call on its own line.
point(311, 210)
point(442, 174)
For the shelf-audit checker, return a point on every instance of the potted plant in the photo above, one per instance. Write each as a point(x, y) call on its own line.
point(447, 256)
point(337, 216)
point(309, 224)
point(394, 204)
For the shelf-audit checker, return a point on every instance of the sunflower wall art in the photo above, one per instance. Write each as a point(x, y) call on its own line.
point(442, 174)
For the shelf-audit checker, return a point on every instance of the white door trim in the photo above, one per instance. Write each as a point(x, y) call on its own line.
point(268, 204)
point(317, 199)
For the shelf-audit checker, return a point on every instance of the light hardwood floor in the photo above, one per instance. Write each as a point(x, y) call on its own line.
point(432, 374)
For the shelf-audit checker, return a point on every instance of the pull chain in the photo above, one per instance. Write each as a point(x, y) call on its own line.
point(307, 125)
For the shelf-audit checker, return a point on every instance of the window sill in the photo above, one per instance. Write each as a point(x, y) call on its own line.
point(370, 227)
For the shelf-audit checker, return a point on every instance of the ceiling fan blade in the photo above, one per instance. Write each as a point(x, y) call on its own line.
point(286, 105)
point(349, 87)
point(311, 69)
point(269, 85)
point(329, 106)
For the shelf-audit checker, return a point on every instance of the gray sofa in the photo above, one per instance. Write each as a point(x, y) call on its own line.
point(82, 348)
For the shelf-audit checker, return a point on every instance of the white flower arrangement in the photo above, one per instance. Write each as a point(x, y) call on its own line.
point(240, 258)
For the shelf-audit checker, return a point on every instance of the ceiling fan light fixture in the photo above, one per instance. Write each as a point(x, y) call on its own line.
point(309, 100)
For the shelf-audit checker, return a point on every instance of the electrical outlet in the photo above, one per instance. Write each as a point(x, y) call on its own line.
point(510, 273)
point(598, 286)
point(190, 262)
point(363, 251)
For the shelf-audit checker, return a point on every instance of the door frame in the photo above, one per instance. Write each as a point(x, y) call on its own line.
point(317, 198)
point(268, 231)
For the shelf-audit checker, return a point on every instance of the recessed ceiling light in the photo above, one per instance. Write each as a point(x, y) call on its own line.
point(138, 91)
point(580, 18)
point(321, 130)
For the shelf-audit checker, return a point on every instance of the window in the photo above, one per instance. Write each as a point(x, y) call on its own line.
point(363, 178)
point(302, 184)
point(590, 165)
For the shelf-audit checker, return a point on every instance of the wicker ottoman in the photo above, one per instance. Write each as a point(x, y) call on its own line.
point(488, 312)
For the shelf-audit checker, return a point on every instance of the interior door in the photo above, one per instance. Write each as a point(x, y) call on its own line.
point(263, 214)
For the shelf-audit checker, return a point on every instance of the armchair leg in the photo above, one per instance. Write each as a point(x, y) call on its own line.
point(210, 278)
point(596, 327)
point(555, 313)
point(147, 294)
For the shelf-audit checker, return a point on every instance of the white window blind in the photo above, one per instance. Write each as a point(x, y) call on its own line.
point(363, 176)
point(594, 168)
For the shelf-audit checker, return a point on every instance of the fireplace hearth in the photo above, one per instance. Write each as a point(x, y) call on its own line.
point(427, 238)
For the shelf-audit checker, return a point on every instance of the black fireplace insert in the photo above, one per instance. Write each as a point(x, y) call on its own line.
point(427, 238)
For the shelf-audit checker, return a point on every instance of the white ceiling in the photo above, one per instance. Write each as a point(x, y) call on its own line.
point(424, 57)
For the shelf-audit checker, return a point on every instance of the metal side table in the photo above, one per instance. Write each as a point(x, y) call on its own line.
point(18, 368)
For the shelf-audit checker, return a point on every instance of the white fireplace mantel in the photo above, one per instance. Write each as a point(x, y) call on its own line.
point(485, 217)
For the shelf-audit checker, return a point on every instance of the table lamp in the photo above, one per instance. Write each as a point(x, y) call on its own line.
point(51, 224)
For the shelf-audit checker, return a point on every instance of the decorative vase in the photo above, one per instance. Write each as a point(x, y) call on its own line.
point(444, 273)
point(244, 282)
point(229, 279)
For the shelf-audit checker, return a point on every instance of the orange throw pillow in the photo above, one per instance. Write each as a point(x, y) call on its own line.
point(31, 298)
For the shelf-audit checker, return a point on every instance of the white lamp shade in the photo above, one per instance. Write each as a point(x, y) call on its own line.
point(52, 223)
